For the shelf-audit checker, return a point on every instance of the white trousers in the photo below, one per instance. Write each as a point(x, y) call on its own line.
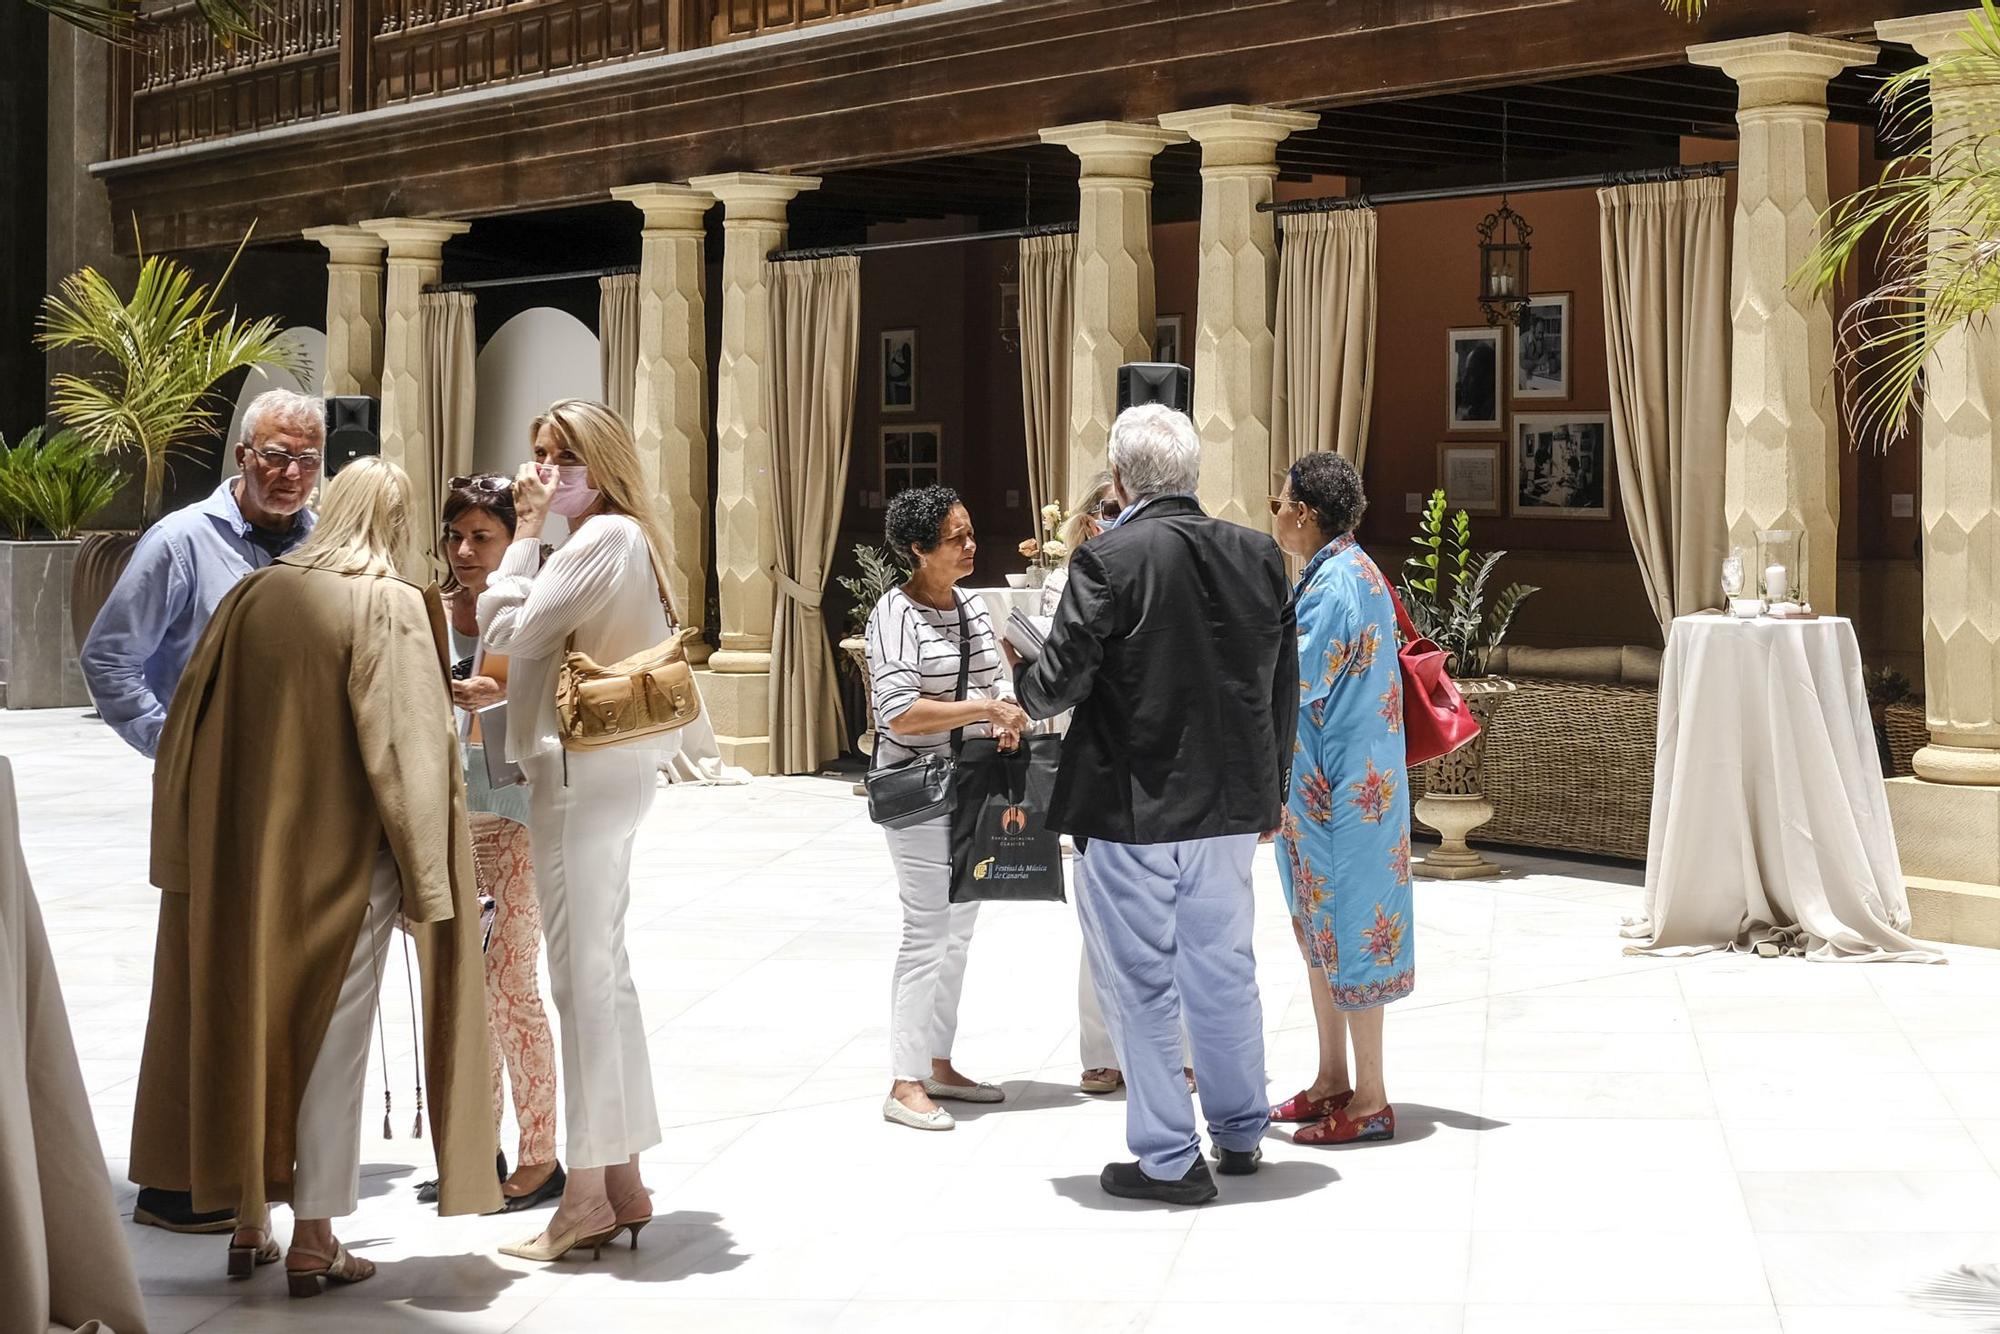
point(1093, 1035)
point(326, 1179)
point(582, 832)
point(930, 964)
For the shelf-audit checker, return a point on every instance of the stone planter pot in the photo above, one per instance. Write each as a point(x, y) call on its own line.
point(38, 663)
point(1454, 801)
point(99, 561)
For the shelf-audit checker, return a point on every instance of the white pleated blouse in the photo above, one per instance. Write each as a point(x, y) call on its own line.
point(600, 587)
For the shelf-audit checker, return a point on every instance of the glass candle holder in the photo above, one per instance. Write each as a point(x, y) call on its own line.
point(1779, 574)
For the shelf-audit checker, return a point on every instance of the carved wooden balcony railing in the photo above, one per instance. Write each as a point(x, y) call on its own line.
point(320, 58)
point(187, 85)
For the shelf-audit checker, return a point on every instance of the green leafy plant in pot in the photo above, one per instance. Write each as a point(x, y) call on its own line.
point(57, 482)
point(1444, 589)
point(881, 569)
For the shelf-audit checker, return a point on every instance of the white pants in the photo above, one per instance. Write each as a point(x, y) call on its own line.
point(582, 833)
point(1093, 1035)
point(326, 1180)
point(930, 965)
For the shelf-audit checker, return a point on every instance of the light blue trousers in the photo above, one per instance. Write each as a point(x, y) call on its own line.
point(1168, 930)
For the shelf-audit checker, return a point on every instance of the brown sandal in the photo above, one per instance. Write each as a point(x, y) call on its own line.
point(243, 1260)
point(340, 1267)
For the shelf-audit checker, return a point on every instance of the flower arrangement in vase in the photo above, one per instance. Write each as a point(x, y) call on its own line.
point(1048, 550)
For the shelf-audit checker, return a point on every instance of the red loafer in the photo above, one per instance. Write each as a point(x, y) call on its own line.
point(1301, 1107)
point(1339, 1129)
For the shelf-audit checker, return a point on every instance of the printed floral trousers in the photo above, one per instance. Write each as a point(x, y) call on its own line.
point(517, 1026)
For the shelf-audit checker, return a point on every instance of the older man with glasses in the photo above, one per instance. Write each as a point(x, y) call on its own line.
point(148, 629)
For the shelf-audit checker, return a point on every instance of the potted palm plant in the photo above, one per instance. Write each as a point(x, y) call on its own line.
point(156, 358)
point(1444, 588)
point(50, 486)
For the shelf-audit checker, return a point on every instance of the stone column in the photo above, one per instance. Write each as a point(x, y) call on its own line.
point(1113, 300)
point(738, 687)
point(670, 407)
point(1947, 818)
point(353, 309)
point(1783, 464)
point(416, 258)
point(1238, 298)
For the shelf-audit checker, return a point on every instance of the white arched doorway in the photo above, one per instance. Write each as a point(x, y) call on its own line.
point(534, 359)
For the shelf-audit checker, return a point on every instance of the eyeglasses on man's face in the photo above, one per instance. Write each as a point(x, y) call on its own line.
point(278, 460)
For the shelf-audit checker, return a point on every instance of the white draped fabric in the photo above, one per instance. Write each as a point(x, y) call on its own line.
point(1665, 257)
point(618, 341)
point(63, 1262)
point(1770, 822)
point(1323, 360)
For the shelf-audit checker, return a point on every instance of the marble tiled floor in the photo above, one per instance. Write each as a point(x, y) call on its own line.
point(1591, 1143)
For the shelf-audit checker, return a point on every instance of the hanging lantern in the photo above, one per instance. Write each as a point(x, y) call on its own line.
point(1503, 266)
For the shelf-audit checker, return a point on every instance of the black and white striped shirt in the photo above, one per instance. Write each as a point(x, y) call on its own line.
point(913, 653)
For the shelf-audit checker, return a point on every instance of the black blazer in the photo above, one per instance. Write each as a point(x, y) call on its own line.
point(1176, 644)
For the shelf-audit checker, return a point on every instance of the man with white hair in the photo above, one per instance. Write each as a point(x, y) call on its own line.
point(1176, 646)
point(185, 563)
point(182, 567)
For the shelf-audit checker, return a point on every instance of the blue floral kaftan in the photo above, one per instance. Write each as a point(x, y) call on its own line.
point(1344, 851)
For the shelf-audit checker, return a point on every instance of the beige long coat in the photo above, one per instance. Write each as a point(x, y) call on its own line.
point(312, 728)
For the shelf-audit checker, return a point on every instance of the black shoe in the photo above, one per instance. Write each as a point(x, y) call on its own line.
point(174, 1211)
point(427, 1191)
point(1238, 1162)
point(1128, 1181)
point(551, 1189)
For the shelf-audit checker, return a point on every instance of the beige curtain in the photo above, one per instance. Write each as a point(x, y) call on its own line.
point(1046, 278)
point(815, 316)
point(1665, 256)
point(618, 341)
point(450, 393)
point(63, 1262)
point(1323, 360)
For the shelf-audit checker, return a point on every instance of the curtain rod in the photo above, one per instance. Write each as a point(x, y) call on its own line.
point(959, 238)
point(1605, 180)
point(573, 275)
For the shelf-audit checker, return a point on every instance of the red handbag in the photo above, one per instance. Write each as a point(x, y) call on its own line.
point(1436, 718)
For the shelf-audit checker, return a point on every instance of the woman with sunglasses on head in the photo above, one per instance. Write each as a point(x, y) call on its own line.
point(478, 525)
point(1095, 510)
point(600, 594)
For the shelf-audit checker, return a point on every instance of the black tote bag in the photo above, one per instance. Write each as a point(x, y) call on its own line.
point(1002, 849)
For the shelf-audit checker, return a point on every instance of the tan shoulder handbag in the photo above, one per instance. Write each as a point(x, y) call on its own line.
point(649, 693)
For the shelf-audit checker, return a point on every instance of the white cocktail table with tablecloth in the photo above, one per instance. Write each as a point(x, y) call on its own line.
point(1770, 824)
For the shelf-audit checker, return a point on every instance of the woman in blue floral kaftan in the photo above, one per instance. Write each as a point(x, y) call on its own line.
point(1344, 849)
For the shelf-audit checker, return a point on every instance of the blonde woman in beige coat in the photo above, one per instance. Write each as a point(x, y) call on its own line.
point(308, 792)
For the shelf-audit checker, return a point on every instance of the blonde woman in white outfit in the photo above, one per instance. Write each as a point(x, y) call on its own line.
point(1095, 510)
point(600, 589)
point(918, 635)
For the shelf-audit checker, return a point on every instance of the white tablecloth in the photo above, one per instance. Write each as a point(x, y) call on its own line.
point(1000, 601)
point(1770, 822)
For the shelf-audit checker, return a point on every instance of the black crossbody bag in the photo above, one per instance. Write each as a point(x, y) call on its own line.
point(920, 789)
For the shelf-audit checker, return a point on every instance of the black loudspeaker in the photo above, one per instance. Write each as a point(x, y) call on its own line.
point(353, 430)
point(1155, 382)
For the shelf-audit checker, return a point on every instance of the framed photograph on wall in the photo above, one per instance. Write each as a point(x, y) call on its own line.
point(911, 456)
point(1562, 465)
point(1167, 340)
point(1473, 475)
point(1473, 364)
point(899, 370)
point(1541, 349)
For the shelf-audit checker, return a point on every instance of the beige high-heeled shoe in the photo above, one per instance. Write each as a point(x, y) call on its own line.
point(340, 1267)
point(584, 1236)
point(626, 1215)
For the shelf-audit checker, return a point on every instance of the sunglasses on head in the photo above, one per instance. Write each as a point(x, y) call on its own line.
point(485, 481)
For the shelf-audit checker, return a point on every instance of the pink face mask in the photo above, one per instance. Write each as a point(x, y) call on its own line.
point(573, 494)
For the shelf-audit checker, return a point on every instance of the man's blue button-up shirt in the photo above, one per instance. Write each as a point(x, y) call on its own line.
point(142, 640)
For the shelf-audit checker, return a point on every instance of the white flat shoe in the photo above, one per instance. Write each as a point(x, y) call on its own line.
point(963, 1092)
point(937, 1118)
